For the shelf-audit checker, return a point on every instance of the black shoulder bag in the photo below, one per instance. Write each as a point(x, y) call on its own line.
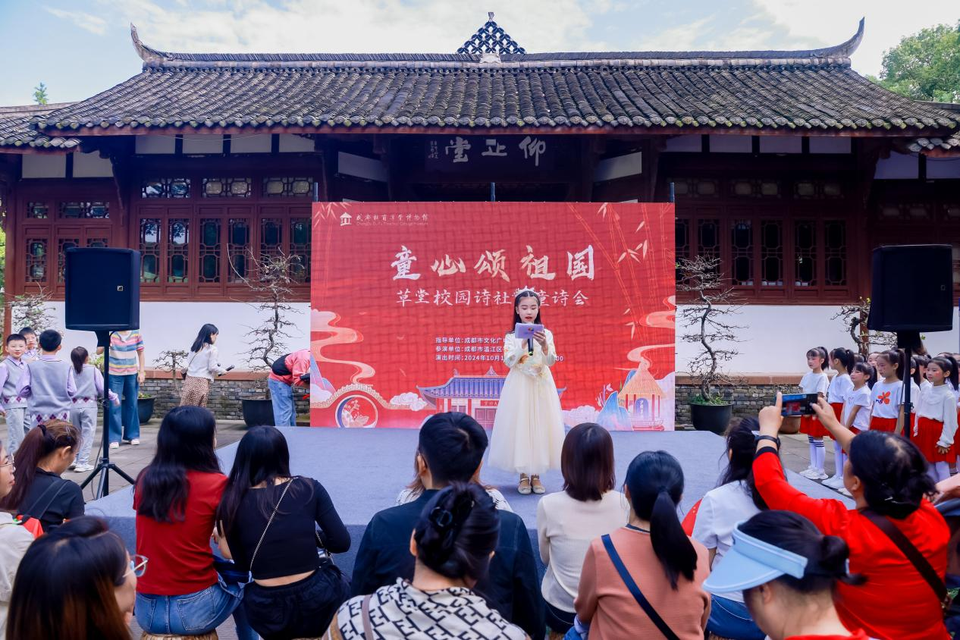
point(635, 590)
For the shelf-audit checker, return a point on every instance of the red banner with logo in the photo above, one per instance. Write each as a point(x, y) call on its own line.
point(411, 301)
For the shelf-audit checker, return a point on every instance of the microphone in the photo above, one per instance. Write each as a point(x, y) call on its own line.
point(530, 346)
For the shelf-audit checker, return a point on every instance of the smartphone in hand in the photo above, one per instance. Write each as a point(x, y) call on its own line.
point(798, 404)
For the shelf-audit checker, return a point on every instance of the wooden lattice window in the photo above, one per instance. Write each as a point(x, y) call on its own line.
point(238, 248)
point(271, 236)
point(150, 234)
point(708, 238)
point(80, 210)
point(178, 251)
point(741, 253)
point(38, 210)
point(835, 253)
point(62, 245)
point(771, 253)
point(805, 250)
point(300, 241)
point(178, 188)
point(682, 241)
point(227, 187)
point(209, 250)
point(287, 187)
point(38, 259)
point(98, 242)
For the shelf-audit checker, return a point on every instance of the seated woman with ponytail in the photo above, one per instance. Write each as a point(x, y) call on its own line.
point(886, 475)
point(787, 573)
point(38, 491)
point(651, 560)
point(453, 543)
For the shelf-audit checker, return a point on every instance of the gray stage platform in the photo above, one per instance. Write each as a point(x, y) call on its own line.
point(365, 469)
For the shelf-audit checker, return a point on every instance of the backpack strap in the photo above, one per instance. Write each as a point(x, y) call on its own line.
point(921, 564)
point(635, 590)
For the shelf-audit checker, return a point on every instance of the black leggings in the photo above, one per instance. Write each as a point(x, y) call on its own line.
point(303, 609)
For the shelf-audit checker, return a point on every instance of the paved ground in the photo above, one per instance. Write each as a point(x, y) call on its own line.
point(795, 456)
point(133, 459)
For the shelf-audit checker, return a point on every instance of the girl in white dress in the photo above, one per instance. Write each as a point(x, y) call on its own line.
point(528, 429)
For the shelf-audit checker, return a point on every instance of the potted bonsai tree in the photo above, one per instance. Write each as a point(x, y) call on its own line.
point(272, 289)
point(706, 317)
point(171, 362)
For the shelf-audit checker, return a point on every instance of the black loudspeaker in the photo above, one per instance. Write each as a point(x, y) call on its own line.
point(912, 288)
point(102, 289)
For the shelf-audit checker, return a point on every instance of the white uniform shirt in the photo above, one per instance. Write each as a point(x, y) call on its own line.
point(939, 404)
point(839, 387)
point(887, 399)
point(858, 398)
point(815, 383)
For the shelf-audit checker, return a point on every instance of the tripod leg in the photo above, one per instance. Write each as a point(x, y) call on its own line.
point(123, 474)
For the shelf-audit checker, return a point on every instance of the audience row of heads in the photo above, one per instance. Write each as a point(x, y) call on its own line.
point(883, 364)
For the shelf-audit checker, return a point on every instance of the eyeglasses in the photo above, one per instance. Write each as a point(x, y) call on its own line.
point(138, 565)
point(7, 462)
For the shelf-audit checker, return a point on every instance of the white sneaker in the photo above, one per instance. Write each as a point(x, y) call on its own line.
point(114, 445)
point(135, 441)
point(810, 472)
point(843, 491)
point(83, 468)
point(821, 475)
point(834, 482)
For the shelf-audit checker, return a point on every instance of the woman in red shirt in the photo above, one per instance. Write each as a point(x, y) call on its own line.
point(886, 474)
point(176, 500)
point(787, 572)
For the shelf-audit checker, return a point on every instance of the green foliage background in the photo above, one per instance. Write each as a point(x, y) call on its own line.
point(925, 65)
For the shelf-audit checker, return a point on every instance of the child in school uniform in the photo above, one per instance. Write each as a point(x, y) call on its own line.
point(48, 384)
point(842, 361)
point(888, 393)
point(815, 381)
point(922, 362)
point(10, 405)
point(83, 415)
point(32, 351)
point(937, 418)
point(855, 415)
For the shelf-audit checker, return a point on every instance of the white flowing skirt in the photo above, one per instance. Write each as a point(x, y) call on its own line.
point(528, 429)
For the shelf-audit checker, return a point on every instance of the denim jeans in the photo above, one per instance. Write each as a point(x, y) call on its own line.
point(194, 613)
point(281, 395)
point(128, 388)
point(730, 619)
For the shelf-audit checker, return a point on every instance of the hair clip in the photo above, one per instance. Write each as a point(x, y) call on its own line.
point(441, 518)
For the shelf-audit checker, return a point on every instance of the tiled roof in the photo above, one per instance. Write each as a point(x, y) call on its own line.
point(486, 387)
point(17, 130)
point(804, 91)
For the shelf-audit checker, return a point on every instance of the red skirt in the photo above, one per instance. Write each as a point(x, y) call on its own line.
point(838, 410)
point(883, 424)
point(928, 433)
point(811, 426)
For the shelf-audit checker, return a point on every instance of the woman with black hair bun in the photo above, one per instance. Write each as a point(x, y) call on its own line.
point(734, 500)
point(652, 551)
point(453, 542)
point(887, 477)
point(787, 573)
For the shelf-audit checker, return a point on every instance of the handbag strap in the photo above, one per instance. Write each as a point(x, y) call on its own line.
point(365, 614)
point(269, 522)
point(59, 486)
point(635, 590)
point(921, 564)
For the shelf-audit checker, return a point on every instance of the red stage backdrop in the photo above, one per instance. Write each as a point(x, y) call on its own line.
point(411, 301)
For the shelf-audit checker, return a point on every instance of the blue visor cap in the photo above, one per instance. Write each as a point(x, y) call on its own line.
point(751, 562)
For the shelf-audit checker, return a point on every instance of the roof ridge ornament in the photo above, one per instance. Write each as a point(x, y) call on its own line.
point(146, 54)
point(490, 38)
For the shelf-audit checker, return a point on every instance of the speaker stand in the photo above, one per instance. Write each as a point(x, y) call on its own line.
point(104, 466)
point(908, 341)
